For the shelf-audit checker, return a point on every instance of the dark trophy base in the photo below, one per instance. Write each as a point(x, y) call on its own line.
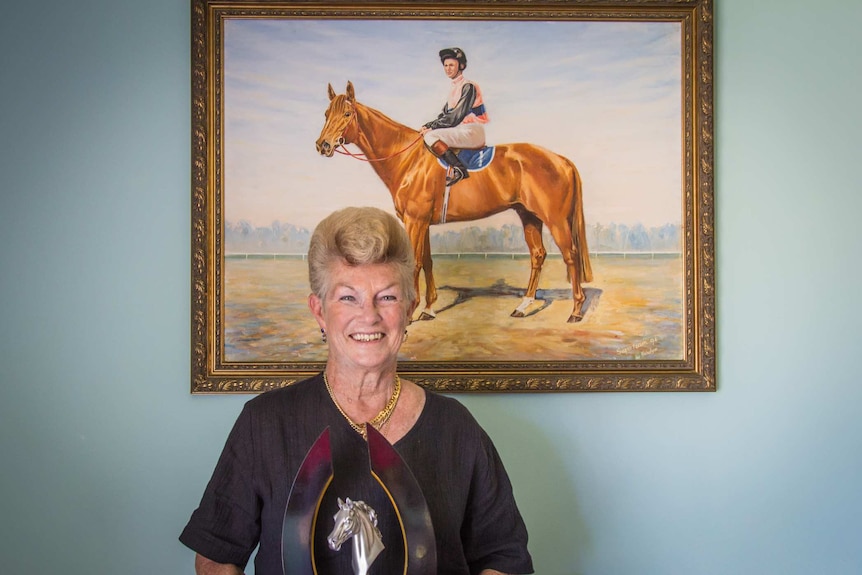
point(303, 511)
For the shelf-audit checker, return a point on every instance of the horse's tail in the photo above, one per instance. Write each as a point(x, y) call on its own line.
point(579, 227)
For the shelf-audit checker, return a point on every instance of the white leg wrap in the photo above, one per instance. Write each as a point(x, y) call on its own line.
point(525, 303)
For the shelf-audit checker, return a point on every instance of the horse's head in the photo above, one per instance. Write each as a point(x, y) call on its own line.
point(340, 126)
point(346, 524)
point(357, 519)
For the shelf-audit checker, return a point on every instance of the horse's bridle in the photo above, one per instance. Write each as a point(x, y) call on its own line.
point(364, 157)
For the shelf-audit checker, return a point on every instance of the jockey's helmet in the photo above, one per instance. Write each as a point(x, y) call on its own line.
point(456, 54)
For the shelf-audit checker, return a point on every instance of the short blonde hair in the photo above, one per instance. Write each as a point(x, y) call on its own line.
point(359, 236)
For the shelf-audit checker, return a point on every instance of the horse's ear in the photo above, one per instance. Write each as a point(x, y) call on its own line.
point(351, 95)
point(331, 91)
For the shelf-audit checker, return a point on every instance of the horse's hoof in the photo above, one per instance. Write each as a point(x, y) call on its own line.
point(517, 313)
point(575, 318)
point(426, 316)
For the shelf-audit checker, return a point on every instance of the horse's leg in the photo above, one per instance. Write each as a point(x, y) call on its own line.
point(533, 236)
point(562, 234)
point(430, 286)
point(419, 239)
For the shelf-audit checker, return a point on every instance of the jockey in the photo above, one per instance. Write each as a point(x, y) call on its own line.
point(461, 123)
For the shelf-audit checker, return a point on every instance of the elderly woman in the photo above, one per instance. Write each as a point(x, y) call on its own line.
point(361, 275)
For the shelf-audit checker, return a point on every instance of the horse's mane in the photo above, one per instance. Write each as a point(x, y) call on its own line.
point(380, 116)
point(367, 509)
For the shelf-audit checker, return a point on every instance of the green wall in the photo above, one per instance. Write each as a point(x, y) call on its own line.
point(103, 452)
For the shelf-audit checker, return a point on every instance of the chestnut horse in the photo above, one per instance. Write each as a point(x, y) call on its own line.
point(542, 187)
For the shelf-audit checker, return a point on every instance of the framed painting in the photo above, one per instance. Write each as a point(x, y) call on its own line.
point(580, 258)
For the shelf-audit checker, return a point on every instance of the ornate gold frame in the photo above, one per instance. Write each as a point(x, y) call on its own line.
point(210, 373)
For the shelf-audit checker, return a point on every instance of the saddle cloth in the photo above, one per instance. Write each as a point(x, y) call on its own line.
point(474, 160)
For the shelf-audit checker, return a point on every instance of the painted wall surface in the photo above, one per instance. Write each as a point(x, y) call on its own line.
point(103, 452)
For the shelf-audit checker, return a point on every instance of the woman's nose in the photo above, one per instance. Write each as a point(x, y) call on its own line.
point(370, 309)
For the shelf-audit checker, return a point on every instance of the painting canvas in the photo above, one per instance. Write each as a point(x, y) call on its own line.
point(619, 94)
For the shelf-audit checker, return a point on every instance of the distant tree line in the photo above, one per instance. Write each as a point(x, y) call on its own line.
point(279, 237)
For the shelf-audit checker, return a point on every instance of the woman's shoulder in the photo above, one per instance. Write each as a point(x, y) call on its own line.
point(285, 399)
point(445, 410)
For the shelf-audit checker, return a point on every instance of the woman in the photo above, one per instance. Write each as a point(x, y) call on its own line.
point(361, 275)
point(461, 124)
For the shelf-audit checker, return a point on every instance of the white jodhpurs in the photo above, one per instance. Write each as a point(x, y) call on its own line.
point(462, 136)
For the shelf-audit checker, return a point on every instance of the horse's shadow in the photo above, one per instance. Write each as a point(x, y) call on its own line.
point(545, 297)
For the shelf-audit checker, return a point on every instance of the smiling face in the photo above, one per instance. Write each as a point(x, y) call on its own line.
point(364, 312)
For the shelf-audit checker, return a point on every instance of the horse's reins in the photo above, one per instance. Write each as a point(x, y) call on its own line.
point(364, 157)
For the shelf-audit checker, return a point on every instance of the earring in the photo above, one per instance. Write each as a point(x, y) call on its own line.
point(323, 335)
point(403, 339)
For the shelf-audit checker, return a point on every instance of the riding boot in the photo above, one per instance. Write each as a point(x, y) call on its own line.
point(459, 171)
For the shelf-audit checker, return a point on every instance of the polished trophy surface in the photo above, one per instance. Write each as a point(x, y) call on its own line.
point(315, 504)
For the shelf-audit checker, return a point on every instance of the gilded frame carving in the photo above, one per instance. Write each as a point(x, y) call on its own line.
point(213, 371)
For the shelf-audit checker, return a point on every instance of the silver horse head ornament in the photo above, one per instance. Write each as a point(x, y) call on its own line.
point(357, 520)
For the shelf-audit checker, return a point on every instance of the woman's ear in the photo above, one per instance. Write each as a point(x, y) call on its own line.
point(315, 304)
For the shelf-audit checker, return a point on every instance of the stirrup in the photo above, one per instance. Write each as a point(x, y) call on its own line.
point(457, 175)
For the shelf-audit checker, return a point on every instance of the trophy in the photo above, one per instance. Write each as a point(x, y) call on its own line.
point(354, 521)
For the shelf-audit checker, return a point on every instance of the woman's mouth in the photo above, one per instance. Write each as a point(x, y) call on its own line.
point(367, 336)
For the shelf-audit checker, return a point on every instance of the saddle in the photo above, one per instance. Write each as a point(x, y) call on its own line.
point(473, 159)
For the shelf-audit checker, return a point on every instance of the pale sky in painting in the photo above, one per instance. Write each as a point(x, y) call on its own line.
point(607, 95)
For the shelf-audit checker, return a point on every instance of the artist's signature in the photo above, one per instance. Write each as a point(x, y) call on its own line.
point(646, 347)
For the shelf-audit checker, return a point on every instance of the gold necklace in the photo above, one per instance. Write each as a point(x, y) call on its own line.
point(379, 420)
